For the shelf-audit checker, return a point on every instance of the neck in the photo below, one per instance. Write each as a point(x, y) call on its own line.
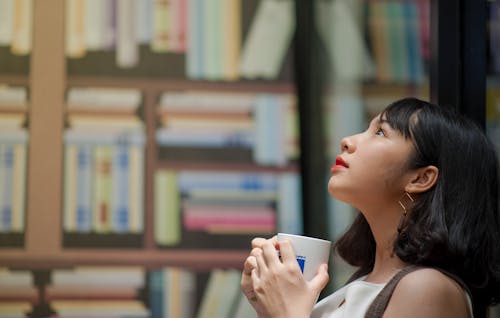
point(384, 229)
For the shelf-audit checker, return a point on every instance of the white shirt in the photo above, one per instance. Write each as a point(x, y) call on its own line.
point(357, 296)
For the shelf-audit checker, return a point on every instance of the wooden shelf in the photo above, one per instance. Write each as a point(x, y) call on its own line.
point(225, 167)
point(192, 259)
point(18, 80)
point(151, 84)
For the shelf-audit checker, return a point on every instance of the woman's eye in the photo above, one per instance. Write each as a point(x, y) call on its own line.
point(380, 132)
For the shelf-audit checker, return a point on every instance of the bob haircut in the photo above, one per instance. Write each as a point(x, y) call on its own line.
point(455, 225)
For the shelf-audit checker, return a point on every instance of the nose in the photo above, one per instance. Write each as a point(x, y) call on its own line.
point(346, 144)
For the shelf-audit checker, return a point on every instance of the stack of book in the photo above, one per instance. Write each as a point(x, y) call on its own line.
point(104, 161)
point(228, 127)
point(172, 292)
point(18, 294)
point(13, 149)
point(97, 292)
point(223, 202)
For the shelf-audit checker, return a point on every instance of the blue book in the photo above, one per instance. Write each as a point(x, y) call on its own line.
point(189, 180)
point(120, 186)
point(84, 188)
point(415, 63)
point(6, 174)
point(156, 288)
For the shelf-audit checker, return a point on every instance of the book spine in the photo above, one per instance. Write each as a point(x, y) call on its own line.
point(102, 189)
point(70, 187)
point(19, 188)
point(84, 185)
point(136, 188)
point(6, 174)
point(120, 187)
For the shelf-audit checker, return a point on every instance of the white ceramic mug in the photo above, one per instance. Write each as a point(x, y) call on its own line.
point(310, 252)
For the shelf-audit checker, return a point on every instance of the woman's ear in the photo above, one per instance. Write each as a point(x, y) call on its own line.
point(422, 179)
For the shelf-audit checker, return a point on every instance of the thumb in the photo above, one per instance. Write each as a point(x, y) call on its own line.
point(321, 279)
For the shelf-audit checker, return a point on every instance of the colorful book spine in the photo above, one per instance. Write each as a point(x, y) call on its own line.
point(136, 188)
point(84, 185)
point(19, 188)
point(167, 208)
point(6, 177)
point(70, 187)
point(102, 189)
point(120, 188)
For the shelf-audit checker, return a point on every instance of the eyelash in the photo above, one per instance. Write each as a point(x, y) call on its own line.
point(380, 130)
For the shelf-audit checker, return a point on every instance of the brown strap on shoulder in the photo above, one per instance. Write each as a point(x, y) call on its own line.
point(379, 304)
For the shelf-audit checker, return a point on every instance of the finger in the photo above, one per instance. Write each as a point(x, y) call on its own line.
point(258, 241)
point(261, 263)
point(250, 263)
point(321, 279)
point(270, 254)
point(286, 251)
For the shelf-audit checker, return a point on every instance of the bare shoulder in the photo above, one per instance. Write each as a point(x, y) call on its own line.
point(428, 293)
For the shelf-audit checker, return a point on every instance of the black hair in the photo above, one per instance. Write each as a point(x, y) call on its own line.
point(455, 225)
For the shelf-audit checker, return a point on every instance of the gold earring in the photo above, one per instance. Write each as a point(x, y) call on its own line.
point(405, 197)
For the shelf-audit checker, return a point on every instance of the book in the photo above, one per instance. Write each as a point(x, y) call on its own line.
point(23, 27)
point(136, 188)
point(167, 208)
point(102, 187)
point(220, 295)
point(127, 47)
point(6, 22)
point(268, 39)
point(6, 179)
point(75, 29)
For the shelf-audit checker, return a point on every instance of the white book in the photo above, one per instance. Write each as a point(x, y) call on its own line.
point(13, 97)
point(127, 48)
point(99, 276)
point(11, 278)
point(6, 22)
point(119, 98)
point(268, 39)
point(144, 15)
point(95, 24)
point(23, 27)
point(195, 101)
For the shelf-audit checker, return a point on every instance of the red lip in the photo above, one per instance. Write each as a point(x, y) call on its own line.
point(339, 164)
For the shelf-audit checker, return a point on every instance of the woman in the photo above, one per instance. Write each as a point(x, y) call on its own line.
point(425, 182)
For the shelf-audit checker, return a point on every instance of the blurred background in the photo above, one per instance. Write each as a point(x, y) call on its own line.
point(144, 143)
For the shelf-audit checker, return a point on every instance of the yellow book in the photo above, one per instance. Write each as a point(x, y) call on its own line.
point(161, 23)
point(23, 26)
point(19, 188)
point(75, 28)
point(70, 175)
point(136, 189)
point(167, 208)
point(232, 38)
point(102, 188)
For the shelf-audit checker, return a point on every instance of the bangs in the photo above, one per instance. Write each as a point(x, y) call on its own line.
point(402, 116)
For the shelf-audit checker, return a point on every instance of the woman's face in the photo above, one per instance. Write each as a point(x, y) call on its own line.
point(372, 167)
